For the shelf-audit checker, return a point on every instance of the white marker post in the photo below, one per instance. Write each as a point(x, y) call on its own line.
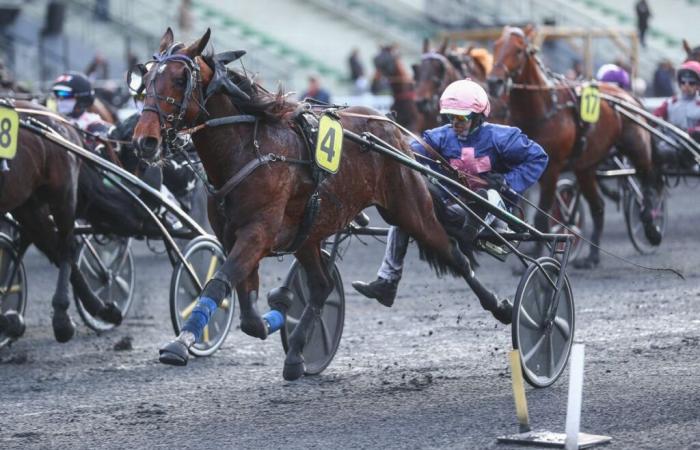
point(572, 439)
point(573, 411)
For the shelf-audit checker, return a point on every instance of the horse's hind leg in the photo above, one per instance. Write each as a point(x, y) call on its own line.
point(444, 253)
point(320, 286)
point(589, 187)
point(57, 246)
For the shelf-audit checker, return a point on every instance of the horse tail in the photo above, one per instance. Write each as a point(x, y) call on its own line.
point(442, 266)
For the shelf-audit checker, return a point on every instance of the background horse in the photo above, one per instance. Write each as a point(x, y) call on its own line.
point(546, 109)
point(692, 53)
point(263, 213)
point(40, 190)
point(388, 64)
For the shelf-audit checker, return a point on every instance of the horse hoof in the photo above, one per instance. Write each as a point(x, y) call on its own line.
point(293, 370)
point(111, 314)
point(585, 263)
point(63, 327)
point(12, 324)
point(652, 233)
point(175, 354)
point(255, 327)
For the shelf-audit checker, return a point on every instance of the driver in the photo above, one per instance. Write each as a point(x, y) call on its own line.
point(74, 96)
point(500, 158)
point(682, 111)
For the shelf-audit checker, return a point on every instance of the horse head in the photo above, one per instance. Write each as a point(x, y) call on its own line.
point(511, 52)
point(177, 83)
point(692, 53)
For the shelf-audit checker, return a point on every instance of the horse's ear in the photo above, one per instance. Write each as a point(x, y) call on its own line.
point(197, 47)
point(426, 45)
point(167, 40)
point(443, 47)
point(687, 48)
point(530, 31)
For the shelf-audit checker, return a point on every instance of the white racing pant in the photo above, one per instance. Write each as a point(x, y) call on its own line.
point(397, 241)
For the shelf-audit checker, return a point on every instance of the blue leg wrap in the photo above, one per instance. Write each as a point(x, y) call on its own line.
point(200, 317)
point(274, 320)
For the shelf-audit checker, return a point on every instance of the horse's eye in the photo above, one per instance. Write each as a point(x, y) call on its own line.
point(181, 82)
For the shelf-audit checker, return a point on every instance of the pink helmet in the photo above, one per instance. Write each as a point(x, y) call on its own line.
point(689, 69)
point(464, 97)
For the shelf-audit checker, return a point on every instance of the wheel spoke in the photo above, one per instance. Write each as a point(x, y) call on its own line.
point(550, 350)
point(326, 336)
point(205, 335)
point(185, 313)
point(534, 349)
point(292, 321)
point(122, 284)
point(529, 321)
point(123, 259)
point(563, 327)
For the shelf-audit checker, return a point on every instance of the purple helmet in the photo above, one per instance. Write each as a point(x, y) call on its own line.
point(612, 73)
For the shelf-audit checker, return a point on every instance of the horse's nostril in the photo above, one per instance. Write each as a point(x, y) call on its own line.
point(148, 146)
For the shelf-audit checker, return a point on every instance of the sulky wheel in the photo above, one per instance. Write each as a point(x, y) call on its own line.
point(107, 264)
point(568, 209)
point(327, 330)
point(205, 255)
point(13, 283)
point(635, 227)
point(543, 331)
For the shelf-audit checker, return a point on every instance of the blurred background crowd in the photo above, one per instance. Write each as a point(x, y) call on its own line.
point(325, 48)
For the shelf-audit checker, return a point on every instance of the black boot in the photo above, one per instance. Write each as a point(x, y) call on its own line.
point(383, 290)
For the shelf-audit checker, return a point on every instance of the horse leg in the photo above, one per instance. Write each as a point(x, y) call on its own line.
point(108, 312)
point(443, 253)
point(251, 244)
point(57, 246)
point(651, 190)
point(320, 286)
point(589, 187)
point(548, 188)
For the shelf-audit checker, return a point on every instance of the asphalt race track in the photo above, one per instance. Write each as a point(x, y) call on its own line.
point(431, 372)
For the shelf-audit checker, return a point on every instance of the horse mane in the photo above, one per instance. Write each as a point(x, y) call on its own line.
point(273, 107)
point(483, 58)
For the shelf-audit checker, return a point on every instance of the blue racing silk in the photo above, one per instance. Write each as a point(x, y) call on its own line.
point(490, 147)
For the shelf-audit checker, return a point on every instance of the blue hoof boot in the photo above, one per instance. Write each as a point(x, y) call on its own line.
point(293, 368)
point(175, 354)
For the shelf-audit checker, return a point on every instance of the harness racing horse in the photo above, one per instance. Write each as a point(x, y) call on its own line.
point(387, 64)
point(437, 69)
point(692, 53)
point(40, 191)
point(546, 109)
point(259, 165)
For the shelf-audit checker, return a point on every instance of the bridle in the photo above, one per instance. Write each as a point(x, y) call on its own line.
point(171, 123)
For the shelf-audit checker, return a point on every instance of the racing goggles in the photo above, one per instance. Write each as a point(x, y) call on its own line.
point(688, 81)
point(63, 93)
point(454, 118)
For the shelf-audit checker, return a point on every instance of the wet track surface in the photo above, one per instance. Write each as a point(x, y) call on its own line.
point(431, 372)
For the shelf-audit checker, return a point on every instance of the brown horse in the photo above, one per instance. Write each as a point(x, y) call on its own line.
point(437, 69)
point(261, 214)
point(388, 64)
point(40, 190)
point(545, 108)
point(692, 53)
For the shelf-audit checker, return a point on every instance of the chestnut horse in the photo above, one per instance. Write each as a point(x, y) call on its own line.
point(545, 108)
point(260, 202)
point(388, 64)
point(692, 53)
point(40, 191)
